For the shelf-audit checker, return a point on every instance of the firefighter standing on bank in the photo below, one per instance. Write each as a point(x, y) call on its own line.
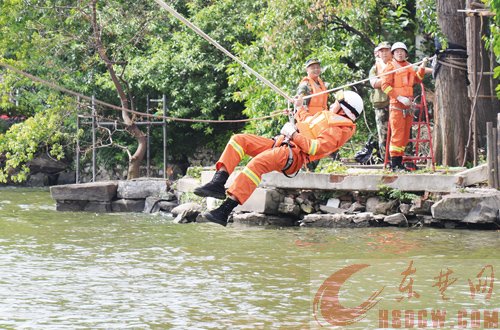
point(379, 99)
point(399, 86)
point(312, 84)
point(313, 137)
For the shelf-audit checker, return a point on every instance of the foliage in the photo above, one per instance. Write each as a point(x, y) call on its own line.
point(155, 54)
point(337, 32)
point(194, 172)
point(427, 15)
point(49, 131)
point(391, 193)
point(328, 165)
point(495, 33)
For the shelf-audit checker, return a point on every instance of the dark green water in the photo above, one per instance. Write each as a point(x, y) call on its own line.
point(62, 270)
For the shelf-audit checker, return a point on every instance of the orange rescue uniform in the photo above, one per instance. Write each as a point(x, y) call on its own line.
point(319, 102)
point(400, 83)
point(324, 136)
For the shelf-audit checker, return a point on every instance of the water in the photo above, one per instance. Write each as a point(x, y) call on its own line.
point(63, 270)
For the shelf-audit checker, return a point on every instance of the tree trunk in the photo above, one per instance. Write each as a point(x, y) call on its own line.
point(482, 88)
point(452, 107)
point(135, 159)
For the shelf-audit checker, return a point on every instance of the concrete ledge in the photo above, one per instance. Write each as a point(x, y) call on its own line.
point(366, 182)
point(262, 201)
point(185, 185)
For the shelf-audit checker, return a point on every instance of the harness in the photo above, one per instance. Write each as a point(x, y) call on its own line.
point(406, 112)
point(289, 160)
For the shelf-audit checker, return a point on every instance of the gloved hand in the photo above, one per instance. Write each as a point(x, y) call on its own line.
point(298, 101)
point(403, 99)
point(425, 61)
point(288, 129)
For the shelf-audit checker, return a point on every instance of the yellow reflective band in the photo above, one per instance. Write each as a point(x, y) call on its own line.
point(419, 76)
point(395, 148)
point(317, 120)
point(388, 89)
point(251, 175)
point(313, 148)
point(237, 148)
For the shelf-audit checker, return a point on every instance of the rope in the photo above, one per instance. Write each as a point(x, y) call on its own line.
point(222, 49)
point(448, 64)
point(115, 107)
point(364, 80)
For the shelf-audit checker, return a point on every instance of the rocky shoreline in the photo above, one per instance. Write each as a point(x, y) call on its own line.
point(474, 208)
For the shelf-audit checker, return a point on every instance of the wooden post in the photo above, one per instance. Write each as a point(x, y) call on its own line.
point(494, 144)
point(489, 154)
point(497, 150)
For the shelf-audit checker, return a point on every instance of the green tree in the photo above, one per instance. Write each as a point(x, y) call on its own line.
point(340, 33)
point(147, 51)
point(151, 53)
point(495, 32)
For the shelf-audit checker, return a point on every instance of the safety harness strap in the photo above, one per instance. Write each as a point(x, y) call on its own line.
point(289, 161)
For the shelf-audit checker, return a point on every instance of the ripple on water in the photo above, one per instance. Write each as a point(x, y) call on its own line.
point(117, 271)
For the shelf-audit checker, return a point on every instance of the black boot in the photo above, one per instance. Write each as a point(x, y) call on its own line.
point(215, 188)
point(221, 214)
point(397, 164)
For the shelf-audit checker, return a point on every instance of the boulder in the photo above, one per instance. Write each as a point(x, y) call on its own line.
point(468, 207)
point(45, 164)
point(371, 204)
point(397, 219)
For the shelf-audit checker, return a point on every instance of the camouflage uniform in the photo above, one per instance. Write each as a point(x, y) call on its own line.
point(380, 103)
point(304, 89)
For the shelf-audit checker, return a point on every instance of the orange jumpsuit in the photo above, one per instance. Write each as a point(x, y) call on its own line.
point(267, 159)
point(400, 116)
point(316, 103)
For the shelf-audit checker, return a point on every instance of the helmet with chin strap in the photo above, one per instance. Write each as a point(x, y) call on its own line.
point(398, 45)
point(351, 103)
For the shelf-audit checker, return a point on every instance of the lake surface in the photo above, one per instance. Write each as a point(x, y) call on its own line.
point(64, 270)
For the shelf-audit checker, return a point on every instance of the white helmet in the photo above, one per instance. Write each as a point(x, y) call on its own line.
point(351, 103)
point(398, 45)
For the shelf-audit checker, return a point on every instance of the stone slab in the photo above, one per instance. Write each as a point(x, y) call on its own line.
point(473, 176)
point(141, 188)
point(128, 205)
point(95, 191)
point(85, 206)
point(258, 219)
